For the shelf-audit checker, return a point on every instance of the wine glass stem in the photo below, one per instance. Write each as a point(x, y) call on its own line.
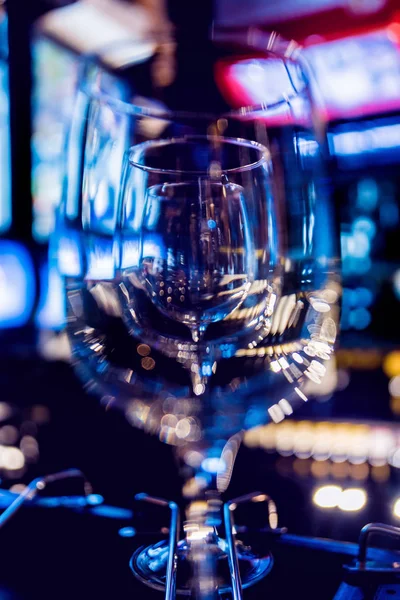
point(201, 367)
point(197, 332)
point(202, 540)
point(205, 585)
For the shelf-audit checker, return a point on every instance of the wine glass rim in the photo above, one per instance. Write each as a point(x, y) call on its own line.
point(164, 113)
point(139, 149)
point(269, 43)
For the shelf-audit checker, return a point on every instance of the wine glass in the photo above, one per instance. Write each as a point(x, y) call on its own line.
point(196, 260)
point(199, 253)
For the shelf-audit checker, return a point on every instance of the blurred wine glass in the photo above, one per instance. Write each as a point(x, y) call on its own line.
point(199, 253)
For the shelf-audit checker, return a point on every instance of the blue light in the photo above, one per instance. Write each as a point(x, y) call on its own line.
point(206, 370)
point(360, 245)
point(130, 252)
point(365, 225)
point(349, 297)
point(94, 499)
point(396, 283)
point(67, 254)
point(101, 257)
point(307, 148)
point(367, 194)
point(357, 266)
point(254, 417)
point(364, 297)
point(227, 350)
point(389, 214)
point(345, 318)
point(154, 246)
point(51, 312)
point(356, 246)
point(5, 178)
point(111, 512)
point(127, 532)
point(373, 139)
point(211, 224)
point(359, 318)
point(17, 285)
point(359, 297)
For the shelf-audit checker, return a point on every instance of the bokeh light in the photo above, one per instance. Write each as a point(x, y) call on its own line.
point(352, 500)
point(394, 386)
point(391, 363)
point(396, 508)
point(327, 496)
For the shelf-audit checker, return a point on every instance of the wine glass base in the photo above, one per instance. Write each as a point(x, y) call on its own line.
point(149, 565)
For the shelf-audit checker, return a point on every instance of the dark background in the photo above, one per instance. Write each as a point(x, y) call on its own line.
point(64, 553)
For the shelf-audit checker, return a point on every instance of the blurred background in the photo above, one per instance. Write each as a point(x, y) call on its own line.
point(335, 465)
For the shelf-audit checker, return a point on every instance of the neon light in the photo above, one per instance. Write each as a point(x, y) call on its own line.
point(17, 285)
point(373, 139)
point(51, 312)
point(5, 175)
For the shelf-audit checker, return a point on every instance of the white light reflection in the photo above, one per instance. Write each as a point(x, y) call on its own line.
point(276, 413)
point(11, 458)
point(275, 366)
point(395, 459)
point(101, 259)
point(319, 305)
point(285, 406)
point(352, 500)
point(228, 456)
point(327, 496)
point(394, 386)
point(300, 394)
point(297, 358)
point(193, 458)
point(195, 532)
point(213, 465)
point(130, 253)
point(69, 259)
point(355, 444)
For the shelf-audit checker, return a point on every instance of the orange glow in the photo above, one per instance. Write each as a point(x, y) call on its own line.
point(302, 467)
point(391, 363)
point(359, 472)
point(143, 349)
point(381, 473)
point(340, 470)
point(320, 469)
point(148, 363)
point(395, 405)
point(359, 359)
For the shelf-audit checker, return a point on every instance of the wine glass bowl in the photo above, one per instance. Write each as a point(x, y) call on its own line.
point(196, 259)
